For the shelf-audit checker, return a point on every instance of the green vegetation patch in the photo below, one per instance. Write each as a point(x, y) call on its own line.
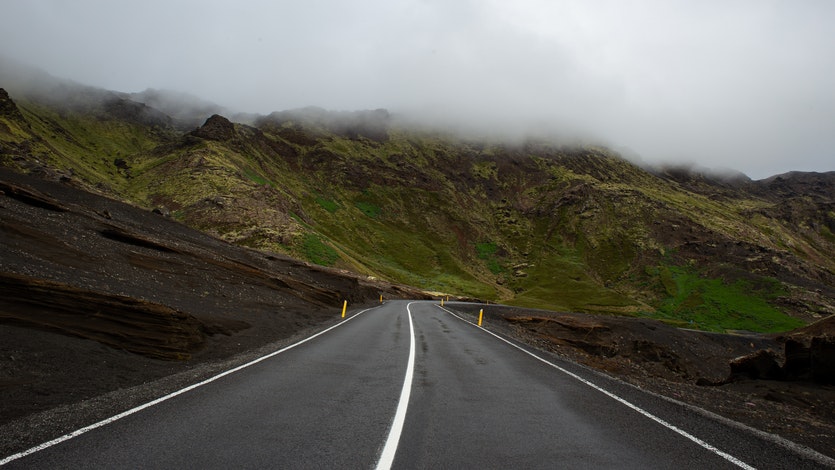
point(317, 251)
point(557, 279)
point(716, 305)
point(327, 204)
point(369, 209)
point(488, 253)
point(254, 176)
point(395, 242)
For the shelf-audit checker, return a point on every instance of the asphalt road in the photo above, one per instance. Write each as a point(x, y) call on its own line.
point(472, 400)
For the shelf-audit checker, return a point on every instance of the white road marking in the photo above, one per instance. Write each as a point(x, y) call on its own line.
point(139, 408)
point(724, 455)
point(390, 449)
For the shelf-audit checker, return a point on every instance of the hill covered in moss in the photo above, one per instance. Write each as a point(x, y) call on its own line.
point(529, 223)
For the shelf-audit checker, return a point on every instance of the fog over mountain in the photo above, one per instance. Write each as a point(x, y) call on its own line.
point(744, 85)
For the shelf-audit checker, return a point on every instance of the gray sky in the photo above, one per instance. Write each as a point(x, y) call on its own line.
point(748, 85)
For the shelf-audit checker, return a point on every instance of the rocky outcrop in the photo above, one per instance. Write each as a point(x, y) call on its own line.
point(809, 352)
point(217, 128)
point(8, 108)
point(759, 365)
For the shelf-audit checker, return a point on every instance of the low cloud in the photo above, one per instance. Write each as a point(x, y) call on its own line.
point(743, 85)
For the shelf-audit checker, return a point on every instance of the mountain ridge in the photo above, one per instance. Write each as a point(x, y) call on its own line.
point(349, 189)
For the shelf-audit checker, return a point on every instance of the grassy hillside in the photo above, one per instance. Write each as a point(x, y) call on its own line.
point(533, 224)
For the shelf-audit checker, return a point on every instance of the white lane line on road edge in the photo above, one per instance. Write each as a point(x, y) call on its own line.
point(390, 449)
point(139, 408)
point(724, 455)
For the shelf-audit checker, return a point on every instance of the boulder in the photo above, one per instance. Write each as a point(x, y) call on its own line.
point(217, 128)
point(759, 365)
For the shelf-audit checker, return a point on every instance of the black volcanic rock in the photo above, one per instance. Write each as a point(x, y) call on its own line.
point(217, 128)
point(758, 365)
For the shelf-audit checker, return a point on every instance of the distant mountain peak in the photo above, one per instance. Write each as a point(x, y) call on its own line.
point(217, 128)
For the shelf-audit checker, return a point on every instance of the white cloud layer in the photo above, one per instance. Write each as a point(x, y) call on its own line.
point(743, 84)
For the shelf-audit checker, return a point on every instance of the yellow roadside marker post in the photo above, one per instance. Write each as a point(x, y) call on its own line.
point(381, 298)
point(344, 307)
point(442, 301)
point(480, 314)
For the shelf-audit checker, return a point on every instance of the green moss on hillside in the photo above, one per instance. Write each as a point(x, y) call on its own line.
point(718, 305)
point(530, 224)
point(317, 251)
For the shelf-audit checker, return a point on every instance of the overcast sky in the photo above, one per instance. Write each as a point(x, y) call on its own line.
point(747, 85)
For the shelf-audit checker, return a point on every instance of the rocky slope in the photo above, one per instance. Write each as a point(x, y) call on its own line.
point(528, 223)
